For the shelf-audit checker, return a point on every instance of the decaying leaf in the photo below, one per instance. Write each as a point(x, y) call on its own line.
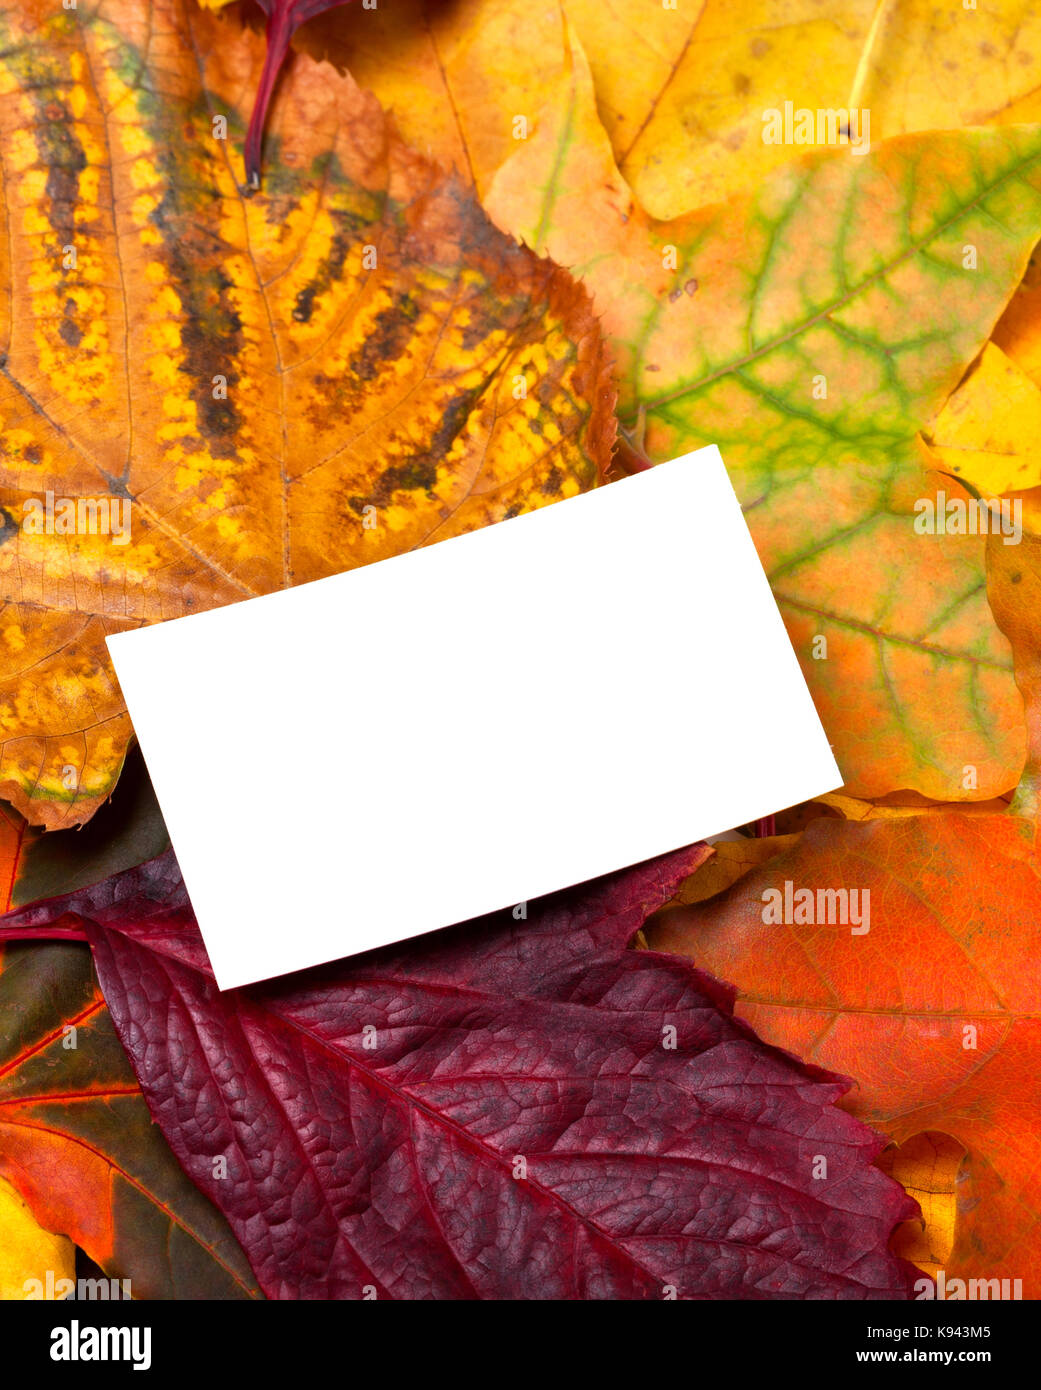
point(507, 1109)
point(250, 392)
point(78, 1143)
point(811, 329)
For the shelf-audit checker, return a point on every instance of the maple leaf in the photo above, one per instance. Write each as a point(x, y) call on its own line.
point(267, 390)
point(78, 1144)
point(811, 329)
point(936, 1008)
point(508, 1110)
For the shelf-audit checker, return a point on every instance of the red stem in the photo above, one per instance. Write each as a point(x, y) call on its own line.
point(42, 934)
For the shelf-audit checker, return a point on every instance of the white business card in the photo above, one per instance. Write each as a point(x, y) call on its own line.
point(468, 726)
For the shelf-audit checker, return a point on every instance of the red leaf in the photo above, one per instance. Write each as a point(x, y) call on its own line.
point(493, 1111)
point(284, 17)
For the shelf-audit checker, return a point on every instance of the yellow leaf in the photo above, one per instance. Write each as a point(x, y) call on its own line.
point(464, 83)
point(989, 430)
point(684, 92)
point(235, 394)
point(27, 1251)
point(853, 808)
point(1018, 331)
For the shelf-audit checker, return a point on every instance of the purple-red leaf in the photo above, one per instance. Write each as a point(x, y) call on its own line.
point(284, 18)
point(506, 1109)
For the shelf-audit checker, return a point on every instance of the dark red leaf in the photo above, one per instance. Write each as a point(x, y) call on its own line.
point(284, 17)
point(493, 1111)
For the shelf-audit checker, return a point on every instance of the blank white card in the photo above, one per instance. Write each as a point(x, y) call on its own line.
point(465, 727)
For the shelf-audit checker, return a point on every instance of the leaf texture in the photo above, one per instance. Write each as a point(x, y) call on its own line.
point(499, 1112)
point(812, 328)
point(78, 1143)
point(349, 364)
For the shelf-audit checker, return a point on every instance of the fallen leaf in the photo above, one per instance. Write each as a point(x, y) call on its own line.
point(989, 431)
point(128, 829)
point(811, 329)
point(78, 1143)
point(931, 1168)
point(853, 808)
point(458, 79)
point(731, 860)
point(936, 1005)
point(1018, 331)
point(500, 1111)
point(28, 1252)
point(682, 90)
point(268, 408)
point(936, 1009)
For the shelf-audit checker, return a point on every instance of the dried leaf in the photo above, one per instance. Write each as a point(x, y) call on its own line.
point(78, 1143)
point(681, 89)
point(811, 329)
point(989, 432)
point(348, 365)
point(501, 1110)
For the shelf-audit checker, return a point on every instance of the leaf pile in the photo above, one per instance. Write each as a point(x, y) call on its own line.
point(296, 300)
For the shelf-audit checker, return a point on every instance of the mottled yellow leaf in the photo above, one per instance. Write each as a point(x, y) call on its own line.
point(348, 365)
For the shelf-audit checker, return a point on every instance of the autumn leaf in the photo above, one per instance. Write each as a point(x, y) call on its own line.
point(463, 81)
point(989, 431)
point(936, 1006)
point(265, 390)
point(284, 17)
point(935, 1010)
point(682, 90)
point(500, 1111)
point(28, 1252)
point(1018, 331)
point(127, 830)
point(811, 329)
point(78, 1143)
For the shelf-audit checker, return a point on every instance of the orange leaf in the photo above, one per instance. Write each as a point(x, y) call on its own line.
point(904, 952)
point(78, 1143)
point(263, 390)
